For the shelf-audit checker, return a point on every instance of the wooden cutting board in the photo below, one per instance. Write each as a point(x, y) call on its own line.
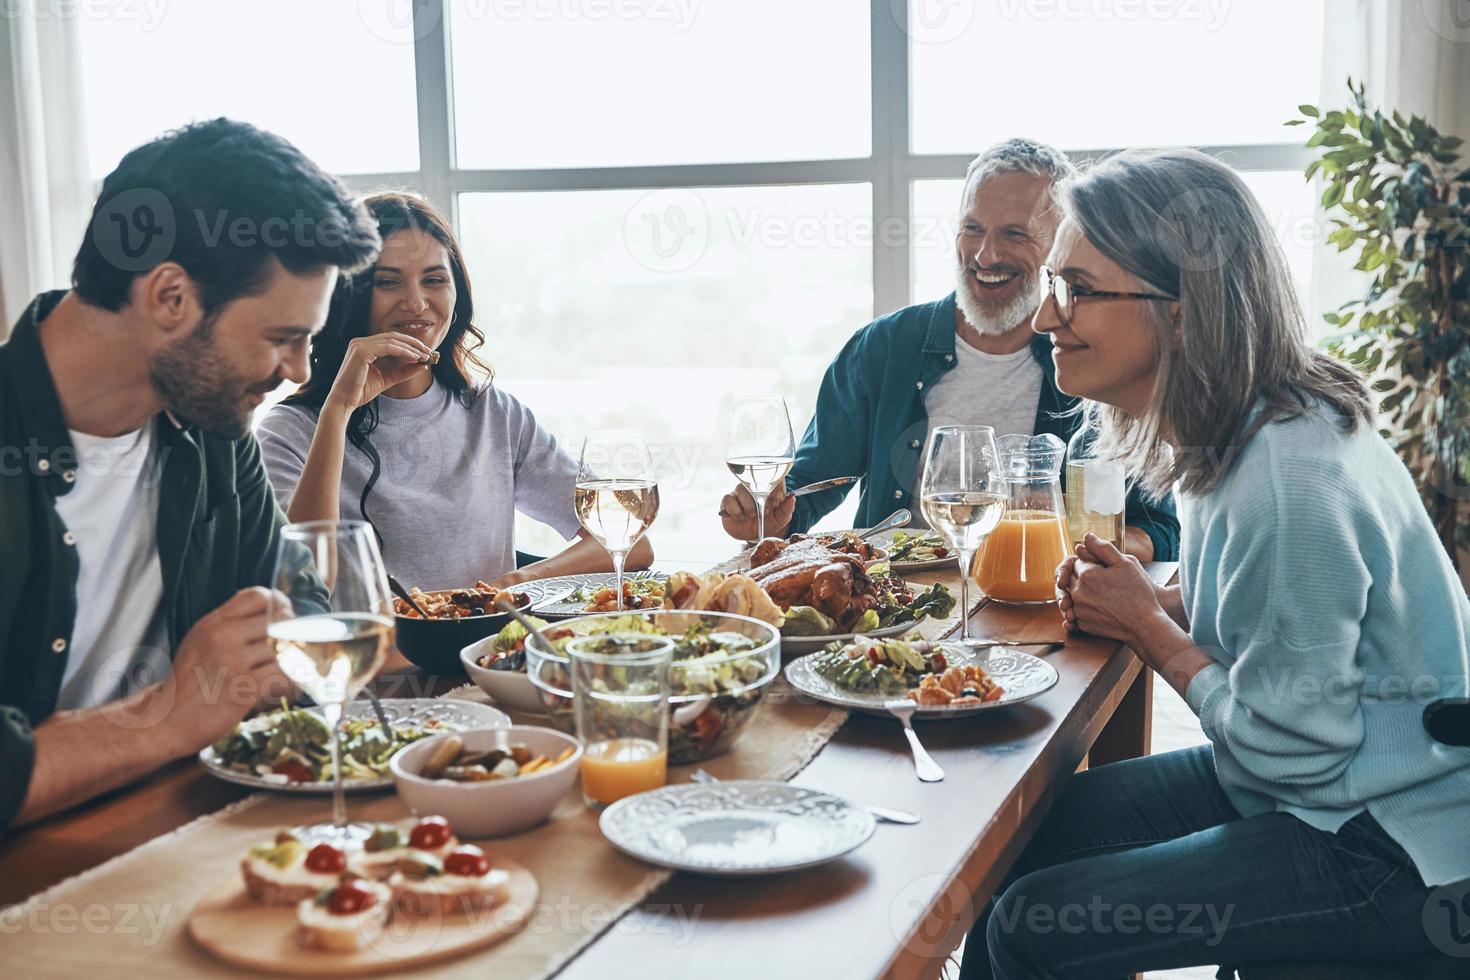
point(230, 925)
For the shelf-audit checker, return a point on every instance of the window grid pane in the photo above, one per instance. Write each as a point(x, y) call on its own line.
point(1092, 76)
point(713, 81)
point(652, 309)
point(142, 77)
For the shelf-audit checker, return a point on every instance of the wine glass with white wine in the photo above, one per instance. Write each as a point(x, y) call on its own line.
point(760, 449)
point(333, 634)
point(963, 497)
point(616, 495)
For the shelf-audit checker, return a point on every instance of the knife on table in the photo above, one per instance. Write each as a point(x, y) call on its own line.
point(836, 481)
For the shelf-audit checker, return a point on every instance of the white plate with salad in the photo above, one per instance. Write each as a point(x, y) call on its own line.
point(286, 750)
point(916, 550)
point(945, 680)
point(596, 593)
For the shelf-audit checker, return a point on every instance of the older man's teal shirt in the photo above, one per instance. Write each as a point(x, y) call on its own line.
point(871, 420)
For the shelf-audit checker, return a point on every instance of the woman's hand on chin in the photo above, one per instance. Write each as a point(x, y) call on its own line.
point(1109, 594)
point(372, 365)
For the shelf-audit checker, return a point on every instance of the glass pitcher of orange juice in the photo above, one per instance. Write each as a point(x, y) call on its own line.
point(1019, 560)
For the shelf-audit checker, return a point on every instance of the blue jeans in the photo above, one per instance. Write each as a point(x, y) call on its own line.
point(1146, 865)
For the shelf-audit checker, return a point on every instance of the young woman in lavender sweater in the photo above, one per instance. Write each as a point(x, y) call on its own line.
point(1316, 617)
point(424, 447)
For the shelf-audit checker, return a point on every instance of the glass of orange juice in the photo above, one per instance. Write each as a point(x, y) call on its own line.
point(620, 697)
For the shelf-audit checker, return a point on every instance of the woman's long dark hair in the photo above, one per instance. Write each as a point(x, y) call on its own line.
point(348, 318)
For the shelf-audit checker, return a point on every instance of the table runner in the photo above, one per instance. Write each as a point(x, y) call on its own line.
point(130, 914)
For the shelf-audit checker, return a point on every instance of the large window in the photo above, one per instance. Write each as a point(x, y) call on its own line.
point(337, 85)
point(668, 202)
point(647, 83)
point(650, 309)
point(1093, 75)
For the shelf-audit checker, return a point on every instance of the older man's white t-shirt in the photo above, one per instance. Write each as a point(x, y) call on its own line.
point(998, 390)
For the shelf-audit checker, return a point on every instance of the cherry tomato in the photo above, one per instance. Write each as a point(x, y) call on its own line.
point(296, 772)
point(708, 725)
point(468, 860)
point(349, 897)
point(430, 833)
point(326, 858)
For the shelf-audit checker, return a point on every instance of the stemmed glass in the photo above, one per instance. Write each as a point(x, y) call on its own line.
point(760, 448)
point(616, 495)
point(963, 497)
point(333, 634)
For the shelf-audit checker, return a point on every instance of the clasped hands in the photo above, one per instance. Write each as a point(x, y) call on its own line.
point(1104, 592)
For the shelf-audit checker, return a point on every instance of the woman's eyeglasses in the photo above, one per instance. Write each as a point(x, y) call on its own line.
point(1064, 295)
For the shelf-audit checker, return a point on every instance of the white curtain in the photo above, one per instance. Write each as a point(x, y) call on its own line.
point(43, 154)
point(1410, 55)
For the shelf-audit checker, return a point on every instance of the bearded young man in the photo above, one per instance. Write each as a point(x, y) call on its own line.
point(970, 358)
point(139, 529)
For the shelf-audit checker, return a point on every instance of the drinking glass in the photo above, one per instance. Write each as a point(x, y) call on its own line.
point(616, 495)
point(963, 497)
point(332, 634)
point(760, 448)
point(620, 696)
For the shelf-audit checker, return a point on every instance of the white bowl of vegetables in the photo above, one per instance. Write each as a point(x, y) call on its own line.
point(497, 665)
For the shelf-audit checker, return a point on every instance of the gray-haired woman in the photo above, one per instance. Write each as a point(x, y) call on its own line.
point(1318, 614)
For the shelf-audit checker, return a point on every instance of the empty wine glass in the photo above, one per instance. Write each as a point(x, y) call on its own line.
point(616, 495)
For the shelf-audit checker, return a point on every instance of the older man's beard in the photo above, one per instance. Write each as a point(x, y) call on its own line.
point(197, 383)
point(993, 319)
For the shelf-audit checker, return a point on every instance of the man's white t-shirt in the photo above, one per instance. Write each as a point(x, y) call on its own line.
point(119, 640)
point(998, 390)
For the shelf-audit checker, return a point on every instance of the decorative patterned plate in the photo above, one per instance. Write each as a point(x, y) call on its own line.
point(740, 827)
point(407, 712)
point(885, 541)
point(560, 605)
point(546, 591)
point(1021, 675)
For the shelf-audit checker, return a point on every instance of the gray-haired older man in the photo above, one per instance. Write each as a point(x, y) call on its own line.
point(970, 358)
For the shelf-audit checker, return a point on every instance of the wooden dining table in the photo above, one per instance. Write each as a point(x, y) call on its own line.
point(897, 907)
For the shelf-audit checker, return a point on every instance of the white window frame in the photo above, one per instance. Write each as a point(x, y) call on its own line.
point(890, 169)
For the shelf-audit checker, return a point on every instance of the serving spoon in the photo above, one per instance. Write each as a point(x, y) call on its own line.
point(899, 518)
point(524, 620)
point(402, 593)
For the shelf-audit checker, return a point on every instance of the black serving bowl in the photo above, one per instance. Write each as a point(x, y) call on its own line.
point(434, 644)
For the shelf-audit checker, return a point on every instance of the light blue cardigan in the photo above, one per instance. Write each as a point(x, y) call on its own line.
point(1314, 578)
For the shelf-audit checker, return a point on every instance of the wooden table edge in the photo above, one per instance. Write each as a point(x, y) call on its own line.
point(983, 865)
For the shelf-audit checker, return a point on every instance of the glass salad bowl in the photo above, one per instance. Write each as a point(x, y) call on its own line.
point(722, 665)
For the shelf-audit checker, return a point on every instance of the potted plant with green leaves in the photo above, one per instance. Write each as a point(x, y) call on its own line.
point(1398, 192)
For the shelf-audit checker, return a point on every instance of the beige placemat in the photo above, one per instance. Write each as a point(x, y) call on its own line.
point(128, 917)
